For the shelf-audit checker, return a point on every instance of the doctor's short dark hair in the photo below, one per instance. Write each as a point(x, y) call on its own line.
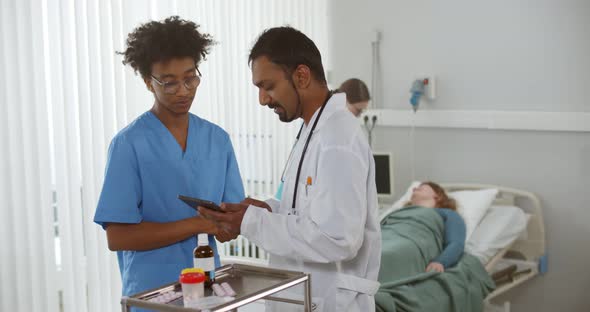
point(289, 48)
point(158, 41)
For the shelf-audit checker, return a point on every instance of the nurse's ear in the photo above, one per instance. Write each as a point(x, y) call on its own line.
point(302, 77)
point(148, 84)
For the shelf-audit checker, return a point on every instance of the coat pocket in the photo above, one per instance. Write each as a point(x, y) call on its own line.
point(305, 195)
point(349, 288)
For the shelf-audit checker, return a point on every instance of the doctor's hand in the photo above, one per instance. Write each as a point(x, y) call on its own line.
point(435, 267)
point(230, 220)
point(257, 203)
point(211, 227)
point(223, 236)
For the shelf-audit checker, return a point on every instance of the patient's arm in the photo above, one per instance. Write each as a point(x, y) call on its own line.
point(454, 241)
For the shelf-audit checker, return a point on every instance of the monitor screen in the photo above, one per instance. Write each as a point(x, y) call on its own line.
point(383, 174)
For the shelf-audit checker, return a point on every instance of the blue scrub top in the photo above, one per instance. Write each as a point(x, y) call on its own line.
point(146, 171)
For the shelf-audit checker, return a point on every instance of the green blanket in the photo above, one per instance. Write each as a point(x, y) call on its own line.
point(411, 238)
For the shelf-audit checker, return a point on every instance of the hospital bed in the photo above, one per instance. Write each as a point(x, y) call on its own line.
point(524, 249)
point(516, 217)
point(527, 251)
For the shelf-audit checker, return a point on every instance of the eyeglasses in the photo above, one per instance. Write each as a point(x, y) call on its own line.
point(173, 86)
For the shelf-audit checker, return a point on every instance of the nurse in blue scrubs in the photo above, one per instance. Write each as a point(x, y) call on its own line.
point(165, 152)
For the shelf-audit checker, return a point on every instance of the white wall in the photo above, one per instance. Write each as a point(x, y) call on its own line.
point(494, 55)
point(504, 55)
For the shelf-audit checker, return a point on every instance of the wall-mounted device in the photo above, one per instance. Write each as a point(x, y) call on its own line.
point(422, 87)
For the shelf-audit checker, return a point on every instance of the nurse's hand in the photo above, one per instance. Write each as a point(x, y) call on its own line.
point(230, 220)
point(257, 203)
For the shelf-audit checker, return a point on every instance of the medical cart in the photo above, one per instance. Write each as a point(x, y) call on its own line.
point(250, 283)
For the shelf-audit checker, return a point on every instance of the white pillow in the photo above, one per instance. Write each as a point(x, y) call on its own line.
point(400, 203)
point(501, 226)
point(473, 205)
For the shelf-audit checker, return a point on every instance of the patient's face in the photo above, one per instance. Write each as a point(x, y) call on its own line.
point(423, 192)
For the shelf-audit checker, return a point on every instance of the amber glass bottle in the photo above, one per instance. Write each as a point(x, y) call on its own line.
point(204, 258)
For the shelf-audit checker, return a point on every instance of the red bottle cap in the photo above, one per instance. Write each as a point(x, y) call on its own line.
point(192, 278)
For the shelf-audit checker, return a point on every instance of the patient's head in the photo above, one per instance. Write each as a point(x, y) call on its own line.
point(431, 195)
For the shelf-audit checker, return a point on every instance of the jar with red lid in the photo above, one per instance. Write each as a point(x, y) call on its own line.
point(193, 286)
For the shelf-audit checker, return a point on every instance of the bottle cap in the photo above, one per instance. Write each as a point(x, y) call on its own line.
point(191, 278)
point(192, 270)
point(203, 239)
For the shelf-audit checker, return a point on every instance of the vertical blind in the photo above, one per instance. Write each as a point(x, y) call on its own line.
point(64, 94)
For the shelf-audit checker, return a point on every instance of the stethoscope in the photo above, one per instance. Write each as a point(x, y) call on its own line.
point(315, 123)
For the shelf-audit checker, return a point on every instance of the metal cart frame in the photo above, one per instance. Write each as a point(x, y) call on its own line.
point(251, 283)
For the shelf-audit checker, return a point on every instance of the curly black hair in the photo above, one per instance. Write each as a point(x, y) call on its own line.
point(162, 41)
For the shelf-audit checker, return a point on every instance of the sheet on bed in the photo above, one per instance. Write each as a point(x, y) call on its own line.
point(411, 238)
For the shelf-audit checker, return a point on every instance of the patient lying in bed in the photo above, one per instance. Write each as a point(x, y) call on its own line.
point(432, 195)
point(416, 238)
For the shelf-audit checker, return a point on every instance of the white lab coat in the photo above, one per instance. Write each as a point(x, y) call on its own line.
point(335, 234)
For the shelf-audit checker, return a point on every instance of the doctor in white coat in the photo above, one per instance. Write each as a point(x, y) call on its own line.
point(326, 222)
